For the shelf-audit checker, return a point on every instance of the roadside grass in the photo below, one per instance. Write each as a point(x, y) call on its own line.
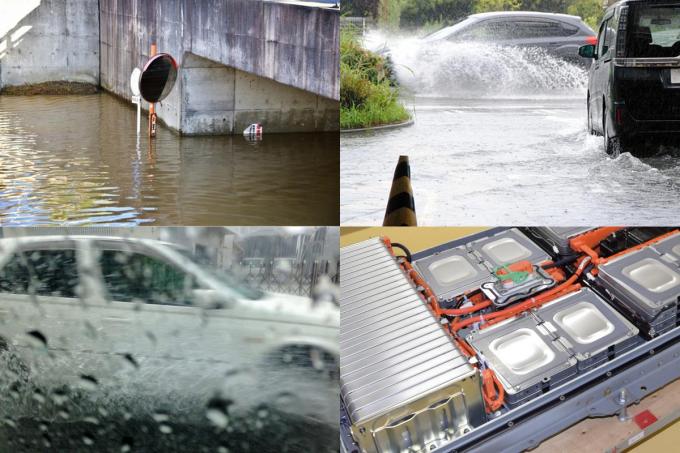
point(368, 92)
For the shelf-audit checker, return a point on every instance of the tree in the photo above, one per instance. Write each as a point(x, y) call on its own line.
point(482, 6)
point(444, 12)
point(590, 11)
point(360, 8)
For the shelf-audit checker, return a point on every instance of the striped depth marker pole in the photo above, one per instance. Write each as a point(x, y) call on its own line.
point(401, 208)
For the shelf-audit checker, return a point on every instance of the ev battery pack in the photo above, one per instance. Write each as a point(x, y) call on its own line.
point(557, 238)
point(525, 357)
point(452, 272)
point(588, 327)
point(404, 382)
point(507, 247)
point(646, 287)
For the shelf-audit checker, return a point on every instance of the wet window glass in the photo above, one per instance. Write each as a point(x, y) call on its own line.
point(169, 340)
point(490, 31)
point(137, 277)
point(40, 272)
point(654, 31)
point(602, 39)
point(539, 29)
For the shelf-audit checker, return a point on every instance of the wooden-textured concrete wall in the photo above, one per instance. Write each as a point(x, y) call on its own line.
point(47, 41)
point(291, 44)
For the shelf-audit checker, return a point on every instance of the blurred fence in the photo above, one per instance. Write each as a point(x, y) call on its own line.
point(287, 276)
point(359, 24)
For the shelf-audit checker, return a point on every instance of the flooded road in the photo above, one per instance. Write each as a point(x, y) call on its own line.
point(500, 138)
point(76, 160)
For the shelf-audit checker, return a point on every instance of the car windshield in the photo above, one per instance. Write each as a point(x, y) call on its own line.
point(231, 280)
point(104, 345)
point(448, 31)
point(654, 31)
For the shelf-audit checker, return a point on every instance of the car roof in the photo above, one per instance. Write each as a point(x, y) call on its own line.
point(497, 14)
point(54, 239)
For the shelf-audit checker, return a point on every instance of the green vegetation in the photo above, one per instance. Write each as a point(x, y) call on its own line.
point(589, 10)
point(368, 95)
point(432, 14)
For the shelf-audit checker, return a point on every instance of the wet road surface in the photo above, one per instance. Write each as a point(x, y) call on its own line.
point(76, 160)
point(502, 141)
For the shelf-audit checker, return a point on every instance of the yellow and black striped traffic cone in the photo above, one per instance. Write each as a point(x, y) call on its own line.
point(401, 208)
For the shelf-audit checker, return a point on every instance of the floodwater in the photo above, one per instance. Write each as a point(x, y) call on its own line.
point(76, 160)
point(500, 138)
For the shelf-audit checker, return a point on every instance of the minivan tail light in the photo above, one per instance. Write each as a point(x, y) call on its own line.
point(592, 40)
point(619, 114)
point(621, 34)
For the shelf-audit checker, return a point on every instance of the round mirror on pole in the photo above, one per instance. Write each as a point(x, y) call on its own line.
point(158, 77)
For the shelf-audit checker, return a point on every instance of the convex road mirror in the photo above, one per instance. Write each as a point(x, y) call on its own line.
point(157, 78)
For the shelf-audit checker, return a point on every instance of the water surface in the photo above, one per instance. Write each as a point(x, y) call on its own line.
point(73, 160)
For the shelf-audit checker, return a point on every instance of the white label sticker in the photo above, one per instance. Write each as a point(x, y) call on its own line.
point(636, 438)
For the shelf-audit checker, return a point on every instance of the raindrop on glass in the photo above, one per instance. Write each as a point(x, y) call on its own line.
point(88, 382)
point(160, 417)
point(37, 335)
point(217, 417)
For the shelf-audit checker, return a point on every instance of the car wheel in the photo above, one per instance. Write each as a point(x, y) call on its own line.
point(612, 145)
point(308, 358)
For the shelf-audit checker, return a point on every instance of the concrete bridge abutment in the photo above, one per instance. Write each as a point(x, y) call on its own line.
point(221, 99)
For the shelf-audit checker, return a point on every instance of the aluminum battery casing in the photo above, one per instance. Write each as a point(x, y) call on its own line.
point(404, 382)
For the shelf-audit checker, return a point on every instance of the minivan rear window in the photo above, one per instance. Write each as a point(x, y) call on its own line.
point(653, 31)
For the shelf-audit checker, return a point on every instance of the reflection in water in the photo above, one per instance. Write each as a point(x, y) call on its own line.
point(77, 160)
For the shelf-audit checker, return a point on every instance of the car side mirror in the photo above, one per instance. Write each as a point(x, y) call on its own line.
point(587, 51)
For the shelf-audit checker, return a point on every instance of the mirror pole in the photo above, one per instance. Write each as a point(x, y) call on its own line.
point(152, 106)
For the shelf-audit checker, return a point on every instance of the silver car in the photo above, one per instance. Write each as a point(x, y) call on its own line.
point(145, 324)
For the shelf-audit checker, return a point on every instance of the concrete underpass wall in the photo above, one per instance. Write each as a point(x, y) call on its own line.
point(48, 40)
point(247, 61)
point(220, 99)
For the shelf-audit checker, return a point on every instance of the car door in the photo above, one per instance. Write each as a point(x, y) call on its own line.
point(43, 315)
point(152, 319)
point(599, 75)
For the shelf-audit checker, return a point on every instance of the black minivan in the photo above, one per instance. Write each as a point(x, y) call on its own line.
point(634, 85)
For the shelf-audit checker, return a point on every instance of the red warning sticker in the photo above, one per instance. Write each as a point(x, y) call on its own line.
point(644, 419)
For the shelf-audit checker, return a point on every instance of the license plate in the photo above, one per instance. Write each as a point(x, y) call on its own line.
point(675, 76)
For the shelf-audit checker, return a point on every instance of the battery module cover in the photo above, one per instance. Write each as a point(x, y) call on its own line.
point(670, 248)
point(507, 247)
point(525, 357)
point(452, 272)
point(588, 327)
point(642, 281)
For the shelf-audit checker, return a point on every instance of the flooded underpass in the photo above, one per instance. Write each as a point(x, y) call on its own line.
point(73, 160)
point(500, 138)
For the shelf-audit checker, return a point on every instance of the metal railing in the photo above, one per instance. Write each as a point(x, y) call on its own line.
point(358, 24)
point(295, 277)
